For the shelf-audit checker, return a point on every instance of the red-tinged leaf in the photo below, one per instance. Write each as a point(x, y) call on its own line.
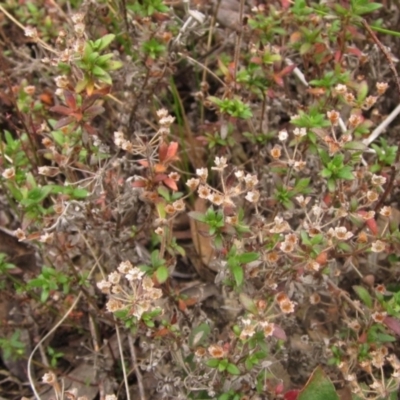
point(170, 183)
point(316, 91)
point(89, 100)
point(62, 110)
point(171, 152)
point(104, 91)
point(291, 394)
point(285, 4)
point(64, 122)
point(337, 56)
point(93, 111)
point(143, 163)
point(393, 324)
point(182, 305)
point(159, 168)
point(355, 51)
point(322, 258)
point(70, 99)
point(271, 93)
point(319, 48)
point(287, 70)
point(371, 223)
point(139, 183)
point(295, 37)
point(278, 80)
point(362, 338)
point(256, 60)
point(89, 129)
point(78, 116)
point(279, 388)
point(279, 333)
point(160, 177)
point(162, 151)
point(46, 98)
point(327, 199)
point(231, 67)
point(162, 332)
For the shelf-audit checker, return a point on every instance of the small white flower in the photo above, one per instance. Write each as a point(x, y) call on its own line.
point(159, 231)
point(125, 267)
point(167, 121)
point(340, 89)
point(253, 196)
point(378, 246)
point(8, 173)
point(162, 113)
point(303, 201)
point(251, 180)
point(46, 237)
point(300, 132)
point(378, 180)
point(192, 183)
point(104, 286)
point(202, 173)
point(114, 277)
point(283, 135)
point(220, 163)
point(386, 211)
point(239, 175)
point(32, 33)
point(134, 274)
point(77, 18)
point(341, 233)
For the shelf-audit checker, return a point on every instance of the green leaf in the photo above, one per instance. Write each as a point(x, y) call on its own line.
point(104, 42)
point(197, 216)
point(17, 194)
point(324, 157)
point(238, 274)
point(326, 173)
point(212, 363)
point(223, 365)
point(331, 185)
point(79, 193)
point(233, 369)
point(355, 146)
point(36, 195)
point(384, 338)
point(102, 60)
point(98, 71)
point(113, 65)
point(302, 184)
point(199, 335)
point(162, 274)
point(305, 239)
point(246, 258)
point(364, 295)
point(346, 173)
point(106, 78)
point(360, 7)
point(318, 387)
point(164, 192)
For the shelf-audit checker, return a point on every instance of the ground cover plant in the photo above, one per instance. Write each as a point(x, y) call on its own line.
point(199, 200)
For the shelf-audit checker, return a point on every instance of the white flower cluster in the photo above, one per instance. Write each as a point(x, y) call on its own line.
point(141, 296)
